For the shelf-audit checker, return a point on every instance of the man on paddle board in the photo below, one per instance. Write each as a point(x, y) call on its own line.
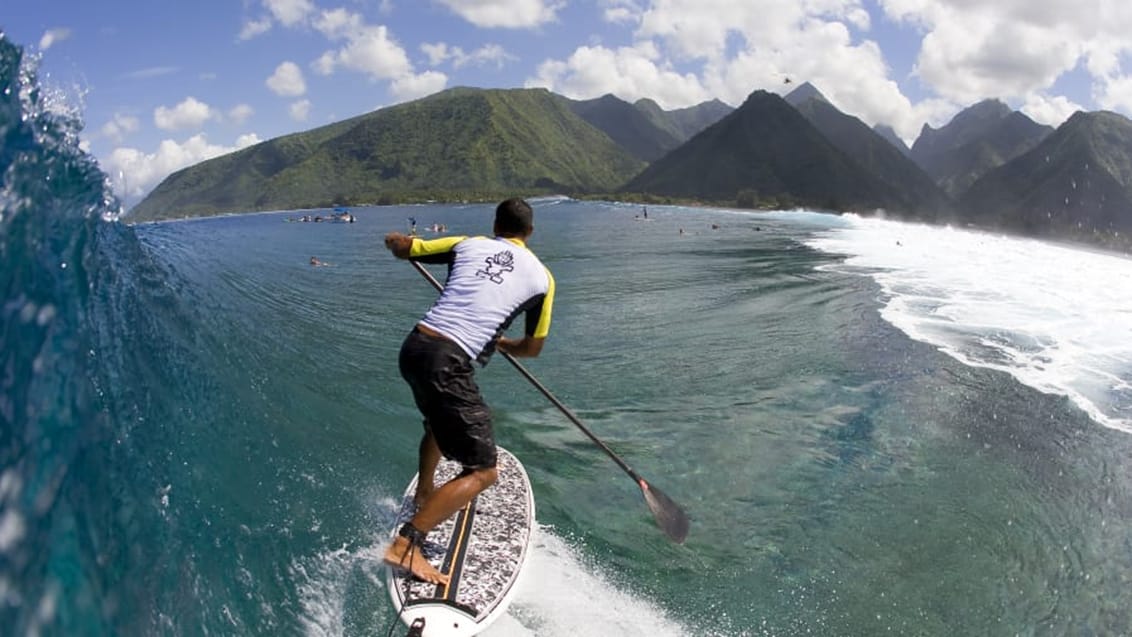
point(491, 281)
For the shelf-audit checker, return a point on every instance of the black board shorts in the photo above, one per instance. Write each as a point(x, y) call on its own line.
point(443, 382)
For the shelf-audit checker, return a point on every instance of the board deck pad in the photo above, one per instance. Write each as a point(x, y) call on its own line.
point(483, 546)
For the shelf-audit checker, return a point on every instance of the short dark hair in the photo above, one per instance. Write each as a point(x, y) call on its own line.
point(514, 217)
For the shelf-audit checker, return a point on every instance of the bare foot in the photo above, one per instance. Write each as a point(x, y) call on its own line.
point(399, 555)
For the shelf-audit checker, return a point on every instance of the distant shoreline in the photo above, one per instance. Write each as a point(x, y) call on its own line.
point(1112, 245)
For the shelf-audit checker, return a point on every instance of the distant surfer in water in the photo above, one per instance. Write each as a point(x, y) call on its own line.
point(490, 283)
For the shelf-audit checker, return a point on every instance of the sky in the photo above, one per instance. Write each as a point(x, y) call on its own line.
point(164, 85)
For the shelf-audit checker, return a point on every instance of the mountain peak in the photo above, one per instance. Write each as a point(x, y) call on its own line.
point(985, 113)
point(804, 93)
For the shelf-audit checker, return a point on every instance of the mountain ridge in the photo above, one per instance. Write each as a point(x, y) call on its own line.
point(458, 142)
point(1076, 184)
point(467, 143)
point(764, 149)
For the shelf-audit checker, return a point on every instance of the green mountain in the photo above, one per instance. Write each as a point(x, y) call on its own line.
point(905, 181)
point(460, 143)
point(468, 143)
point(767, 151)
point(626, 125)
point(978, 139)
point(684, 123)
point(1076, 184)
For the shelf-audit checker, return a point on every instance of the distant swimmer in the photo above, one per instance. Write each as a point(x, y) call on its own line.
point(715, 226)
point(645, 209)
point(316, 263)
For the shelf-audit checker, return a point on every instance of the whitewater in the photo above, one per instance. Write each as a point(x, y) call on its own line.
point(1058, 318)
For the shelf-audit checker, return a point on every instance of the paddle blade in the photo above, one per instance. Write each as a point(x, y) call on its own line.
point(671, 518)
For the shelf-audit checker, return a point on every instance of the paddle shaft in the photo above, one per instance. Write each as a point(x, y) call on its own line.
point(546, 392)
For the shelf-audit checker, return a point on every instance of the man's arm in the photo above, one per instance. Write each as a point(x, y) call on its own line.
point(526, 347)
point(399, 244)
point(537, 326)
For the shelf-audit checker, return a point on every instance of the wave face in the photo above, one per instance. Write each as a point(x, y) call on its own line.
point(76, 439)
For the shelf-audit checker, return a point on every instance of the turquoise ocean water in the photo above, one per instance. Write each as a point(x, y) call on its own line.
point(876, 428)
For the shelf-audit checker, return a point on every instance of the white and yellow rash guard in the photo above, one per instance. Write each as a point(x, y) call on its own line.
point(490, 282)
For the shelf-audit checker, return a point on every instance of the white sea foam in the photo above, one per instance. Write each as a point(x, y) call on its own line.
point(1059, 319)
point(560, 594)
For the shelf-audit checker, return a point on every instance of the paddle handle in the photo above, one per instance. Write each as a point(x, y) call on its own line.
point(546, 392)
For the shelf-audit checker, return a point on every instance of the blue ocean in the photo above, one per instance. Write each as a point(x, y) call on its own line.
point(876, 428)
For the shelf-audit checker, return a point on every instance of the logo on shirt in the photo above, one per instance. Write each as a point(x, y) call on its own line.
point(497, 265)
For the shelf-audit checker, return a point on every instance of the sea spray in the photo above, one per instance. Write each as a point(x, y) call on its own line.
point(81, 429)
point(52, 196)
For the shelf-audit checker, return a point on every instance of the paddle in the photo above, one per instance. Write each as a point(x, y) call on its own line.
point(669, 516)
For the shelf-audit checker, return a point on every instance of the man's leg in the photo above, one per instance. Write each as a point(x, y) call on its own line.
point(426, 467)
point(452, 496)
point(444, 502)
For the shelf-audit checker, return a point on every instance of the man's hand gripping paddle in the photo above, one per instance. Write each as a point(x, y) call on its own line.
point(669, 516)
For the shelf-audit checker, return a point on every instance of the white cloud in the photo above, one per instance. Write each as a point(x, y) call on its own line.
point(506, 13)
point(289, 13)
point(253, 28)
point(1115, 93)
point(370, 50)
point(338, 23)
point(240, 113)
point(1016, 49)
point(143, 171)
point(151, 72)
point(628, 72)
point(412, 86)
point(971, 56)
point(325, 63)
point(300, 110)
point(287, 80)
point(699, 29)
point(120, 126)
point(489, 54)
point(53, 36)
point(685, 51)
point(688, 51)
point(436, 53)
point(1050, 110)
point(621, 11)
point(190, 113)
point(618, 14)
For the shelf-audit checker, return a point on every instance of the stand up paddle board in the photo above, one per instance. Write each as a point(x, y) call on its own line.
point(483, 548)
